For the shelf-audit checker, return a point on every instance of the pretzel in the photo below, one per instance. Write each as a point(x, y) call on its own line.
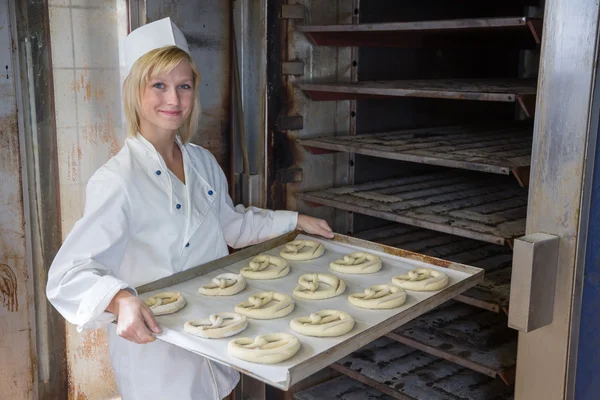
point(266, 267)
point(324, 323)
point(224, 285)
point(422, 280)
point(266, 305)
point(310, 287)
point(379, 297)
point(357, 263)
point(217, 326)
point(302, 250)
point(165, 303)
point(265, 349)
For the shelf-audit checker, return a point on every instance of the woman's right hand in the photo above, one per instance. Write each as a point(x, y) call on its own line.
point(134, 318)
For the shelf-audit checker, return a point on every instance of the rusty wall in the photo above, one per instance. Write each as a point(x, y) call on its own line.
point(206, 25)
point(16, 300)
point(85, 43)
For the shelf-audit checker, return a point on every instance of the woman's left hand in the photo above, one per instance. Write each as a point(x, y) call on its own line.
point(314, 226)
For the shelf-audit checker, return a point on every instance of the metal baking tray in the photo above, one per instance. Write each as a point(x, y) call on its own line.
point(315, 353)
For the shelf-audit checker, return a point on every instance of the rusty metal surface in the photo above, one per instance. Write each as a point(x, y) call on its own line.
point(486, 148)
point(492, 293)
point(474, 205)
point(17, 347)
point(322, 63)
point(503, 90)
point(207, 28)
point(474, 338)
point(341, 388)
point(418, 375)
point(483, 32)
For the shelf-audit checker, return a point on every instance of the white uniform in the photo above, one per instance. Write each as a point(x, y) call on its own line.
point(141, 224)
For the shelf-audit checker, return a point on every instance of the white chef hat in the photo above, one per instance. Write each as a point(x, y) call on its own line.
point(152, 36)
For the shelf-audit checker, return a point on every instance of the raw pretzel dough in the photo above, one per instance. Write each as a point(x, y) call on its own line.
point(217, 326)
point(266, 267)
point(266, 305)
point(224, 285)
point(265, 349)
point(324, 323)
point(310, 287)
point(357, 263)
point(379, 297)
point(302, 250)
point(165, 303)
point(421, 280)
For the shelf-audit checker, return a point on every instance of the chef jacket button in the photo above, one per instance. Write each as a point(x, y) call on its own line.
point(158, 172)
point(210, 192)
point(178, 206)
point(187, 245)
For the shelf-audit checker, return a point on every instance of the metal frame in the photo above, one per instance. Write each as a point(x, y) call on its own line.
point(137, 14)
point(561, 134)
point(37, 133)
point(312, 365)
point(582, 317)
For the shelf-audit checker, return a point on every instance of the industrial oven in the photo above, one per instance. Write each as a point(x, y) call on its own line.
point(461, 131)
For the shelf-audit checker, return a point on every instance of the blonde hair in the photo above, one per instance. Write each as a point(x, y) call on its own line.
point(158, 62)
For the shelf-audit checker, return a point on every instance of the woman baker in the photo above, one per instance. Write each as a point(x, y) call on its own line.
point(160, 206)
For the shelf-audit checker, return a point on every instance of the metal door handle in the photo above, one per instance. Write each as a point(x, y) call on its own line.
point(535, 262)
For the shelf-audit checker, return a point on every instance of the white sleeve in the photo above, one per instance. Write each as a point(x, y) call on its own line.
point(81, 279)
point(247, 226)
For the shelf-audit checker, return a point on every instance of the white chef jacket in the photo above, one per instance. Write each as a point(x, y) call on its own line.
point(141, 224)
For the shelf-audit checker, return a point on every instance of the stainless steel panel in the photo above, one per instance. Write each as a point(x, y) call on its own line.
point(533, 281)
point(561, 134)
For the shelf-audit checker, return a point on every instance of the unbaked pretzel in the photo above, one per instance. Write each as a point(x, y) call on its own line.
point(357, 263)
point(217, 326)
point(265, 349)
point(165, 303)
point(379, 297)
point(265, 266)
point(302, 250)
point(310, 287)
point(324, 323)
point(422, 280)
point(266, 305)
point(224, 285)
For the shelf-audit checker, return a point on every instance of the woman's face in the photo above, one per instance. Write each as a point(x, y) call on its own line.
point(167, 100)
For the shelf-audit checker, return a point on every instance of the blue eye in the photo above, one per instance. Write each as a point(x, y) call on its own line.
point(159, 85)
point(185, 86)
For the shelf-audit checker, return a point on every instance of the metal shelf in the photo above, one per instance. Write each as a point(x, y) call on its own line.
point(405, 373)
point(468, 336)
point(344, 388)
point(500, 149)
point(521, 32)
point(473, 205)
point(492, 294)
point(501, 90)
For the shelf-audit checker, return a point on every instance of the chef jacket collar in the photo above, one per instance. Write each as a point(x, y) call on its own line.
point(152, 154)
